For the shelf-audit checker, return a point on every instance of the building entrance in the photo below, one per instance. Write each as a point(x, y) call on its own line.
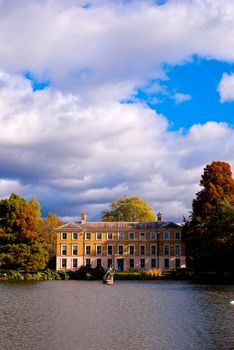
point(120, 265)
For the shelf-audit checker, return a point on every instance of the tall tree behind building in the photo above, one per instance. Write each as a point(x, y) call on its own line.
point(129, 209)
point(48, 233)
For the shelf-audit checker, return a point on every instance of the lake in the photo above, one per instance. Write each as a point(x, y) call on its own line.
point(157, 315)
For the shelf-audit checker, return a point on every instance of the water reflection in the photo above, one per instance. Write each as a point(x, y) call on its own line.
point(128, 315)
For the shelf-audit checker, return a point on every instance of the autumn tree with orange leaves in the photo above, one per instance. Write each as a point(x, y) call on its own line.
point(20, 246)
point(218, 185)
point(209, 232)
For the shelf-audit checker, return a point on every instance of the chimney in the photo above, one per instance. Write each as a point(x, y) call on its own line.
point(83, 217)
point(159, 216)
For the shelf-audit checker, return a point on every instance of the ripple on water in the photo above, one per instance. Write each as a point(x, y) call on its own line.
point(128, 315)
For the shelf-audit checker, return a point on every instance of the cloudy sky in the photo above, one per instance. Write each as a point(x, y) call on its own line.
point(105, 98)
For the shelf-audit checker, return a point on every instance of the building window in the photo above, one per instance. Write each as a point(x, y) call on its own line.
point(98, 236)
point(153, 263)
point(109, 236)
point(120, 249)
point(88, 236)
point(166, 236)
point(74, 250)
point(177, 249)
point(166, 249)
point(64, 263)
point(64, 235)
point(74, 263)
point(87, 250)
point(142, 235)
point(63, 250)
point(177, 263)
point(154, 236)
point(88, 262)
point(166, 263)
point(74, 235)
point(99, 250)
point(177, 235)
point(142, 262)
point(131, 250)
point(121, 236)
point(109, 250)
point(109, 262)
point(99, 262)
point(131, 236)
point(131, 263)
point(153, 250)
point(142, 250)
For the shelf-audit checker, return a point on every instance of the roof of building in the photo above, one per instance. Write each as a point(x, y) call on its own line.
point(120, 225)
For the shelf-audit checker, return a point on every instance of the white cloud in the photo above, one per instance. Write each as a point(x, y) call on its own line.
point(108, 50)
point(180, 98)
point(72, 156)
point(73, 145)
point(226, 88)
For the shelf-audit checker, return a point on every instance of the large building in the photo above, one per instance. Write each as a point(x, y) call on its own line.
point(127, 246)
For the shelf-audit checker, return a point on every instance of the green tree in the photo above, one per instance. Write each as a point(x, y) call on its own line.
point(20, 246)
point(209, 232)
point(129, 209)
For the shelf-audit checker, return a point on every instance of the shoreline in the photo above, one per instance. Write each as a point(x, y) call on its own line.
point(201, 277)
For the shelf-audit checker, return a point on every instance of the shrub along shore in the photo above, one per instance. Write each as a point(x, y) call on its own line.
point(89, 273)
point(92, 274)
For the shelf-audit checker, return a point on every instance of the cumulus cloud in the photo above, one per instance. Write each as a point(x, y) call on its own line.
point(226, 88)
point(109, 48)
point(71, 156)
point(74, 145)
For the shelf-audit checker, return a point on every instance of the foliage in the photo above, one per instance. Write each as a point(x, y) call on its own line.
point(84, 273)
point(144, 275)
point(209, 233)
point(47, 275)
point(19, 219)
point(20, 246)
point(48, 233)
point(31, 257)
point(154, 273)
point(129, 209)
point(218, 185)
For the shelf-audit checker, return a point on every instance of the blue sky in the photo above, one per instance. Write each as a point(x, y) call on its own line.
point(199, 79)
point(107, 98)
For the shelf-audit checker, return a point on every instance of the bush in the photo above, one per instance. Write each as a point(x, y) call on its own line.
point(154, 273)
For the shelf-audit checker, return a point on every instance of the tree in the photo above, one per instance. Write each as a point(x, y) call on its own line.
point(20, 246)
point(129, 209)
point(209, 232)
point(48, 233)
point(218, 185)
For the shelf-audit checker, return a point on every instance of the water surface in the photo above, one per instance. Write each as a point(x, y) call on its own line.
point(70, 315)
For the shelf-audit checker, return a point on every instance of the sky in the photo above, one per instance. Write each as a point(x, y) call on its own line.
point(106, 98)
